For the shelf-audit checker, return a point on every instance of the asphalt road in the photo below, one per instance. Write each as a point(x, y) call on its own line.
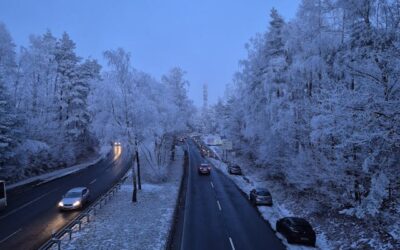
point(32, 213)
point(218, 216)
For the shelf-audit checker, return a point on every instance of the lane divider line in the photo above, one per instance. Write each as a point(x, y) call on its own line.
point(219, 205)
point(27, 204)
point(231, 241)
point(11, 235)
point(92, 182)
point(212, 184)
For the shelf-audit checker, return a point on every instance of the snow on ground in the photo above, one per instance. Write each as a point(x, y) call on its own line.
point(121, 224)
point(41, 179)
point(270, 214)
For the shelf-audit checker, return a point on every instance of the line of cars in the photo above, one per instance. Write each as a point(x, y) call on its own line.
point(294, 229)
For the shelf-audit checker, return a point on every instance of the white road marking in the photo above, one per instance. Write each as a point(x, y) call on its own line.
point(212, 185)
point(11, 235)
point(219, 206)
point(27, 204)
point(92, 182)
point(233, 246)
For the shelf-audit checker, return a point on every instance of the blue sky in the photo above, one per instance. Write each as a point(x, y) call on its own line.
point(205, 37)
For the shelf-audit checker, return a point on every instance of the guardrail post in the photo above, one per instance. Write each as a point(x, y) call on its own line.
point(87, 217)
point(79, 225)
point(69, 231)
point(55, 240)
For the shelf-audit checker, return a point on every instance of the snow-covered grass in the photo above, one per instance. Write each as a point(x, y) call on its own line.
point(41, 179)
point(121, 224)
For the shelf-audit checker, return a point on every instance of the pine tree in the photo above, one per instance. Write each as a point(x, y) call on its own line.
point(78, 121)
point(67, 62)
point(8, 138)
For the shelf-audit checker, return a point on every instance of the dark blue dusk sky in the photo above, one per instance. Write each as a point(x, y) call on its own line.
point(205, 37)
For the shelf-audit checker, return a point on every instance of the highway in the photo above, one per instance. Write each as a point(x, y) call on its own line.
point(218, 216)
point(32, 213)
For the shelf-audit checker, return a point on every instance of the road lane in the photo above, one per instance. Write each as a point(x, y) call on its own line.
point(202, 227)
point(218, 216)
point(32, 213)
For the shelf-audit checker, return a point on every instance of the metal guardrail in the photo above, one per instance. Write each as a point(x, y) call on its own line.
point(85, 215)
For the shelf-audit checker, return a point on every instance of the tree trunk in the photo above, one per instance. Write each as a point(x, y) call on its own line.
point(138, 168)
point(134, 194)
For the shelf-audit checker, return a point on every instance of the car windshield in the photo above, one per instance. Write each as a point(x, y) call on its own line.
point(300, 223)
point(74, 194)
point(263, 192)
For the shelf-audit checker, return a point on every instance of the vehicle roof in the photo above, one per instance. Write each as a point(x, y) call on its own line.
point(77, 189)
point(204, 164)
point(297, 221)
point(262, 190)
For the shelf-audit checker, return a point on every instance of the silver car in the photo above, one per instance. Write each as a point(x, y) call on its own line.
point(260, 196)
point(74, 199)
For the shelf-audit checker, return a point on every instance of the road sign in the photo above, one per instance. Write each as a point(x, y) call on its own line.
point(227, 145)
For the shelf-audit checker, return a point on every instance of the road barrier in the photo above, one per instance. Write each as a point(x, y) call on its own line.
point(57, 237)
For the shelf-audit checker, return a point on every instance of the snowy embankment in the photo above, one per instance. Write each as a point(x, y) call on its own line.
point(270, 214)
point(121, 224)
point(41, 179)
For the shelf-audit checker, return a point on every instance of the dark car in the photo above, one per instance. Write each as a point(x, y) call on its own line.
point(204, 168)
point(234, 169)
point(296, 230)
point(260, 196)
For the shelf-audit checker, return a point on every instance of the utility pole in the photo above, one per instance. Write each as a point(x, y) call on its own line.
point(205, 96)
point(138, 165)
point(134, 194)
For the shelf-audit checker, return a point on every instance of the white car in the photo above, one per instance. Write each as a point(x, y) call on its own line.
point(74, 199)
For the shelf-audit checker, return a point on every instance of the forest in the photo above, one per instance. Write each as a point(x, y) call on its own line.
point(315, 107)
point(58, 109)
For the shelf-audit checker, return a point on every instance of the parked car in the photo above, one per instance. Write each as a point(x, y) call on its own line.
point(234, 169)
point(260, 196)
point(204, 168)
point(296, 230)
point(75, 198)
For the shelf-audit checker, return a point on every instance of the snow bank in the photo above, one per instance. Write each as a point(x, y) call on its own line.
point(41, 179)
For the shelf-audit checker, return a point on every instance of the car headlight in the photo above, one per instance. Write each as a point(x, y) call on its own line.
point(76, 203)
point(60, 204)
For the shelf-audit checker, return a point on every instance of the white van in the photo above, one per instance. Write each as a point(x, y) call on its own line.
point(3, 195)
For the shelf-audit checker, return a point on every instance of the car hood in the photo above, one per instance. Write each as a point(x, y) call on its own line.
point(70, 200)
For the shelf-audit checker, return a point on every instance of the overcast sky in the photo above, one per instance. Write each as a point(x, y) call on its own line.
point(204, 37)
